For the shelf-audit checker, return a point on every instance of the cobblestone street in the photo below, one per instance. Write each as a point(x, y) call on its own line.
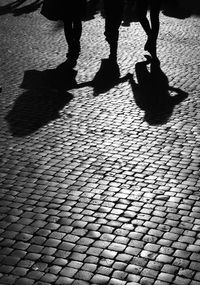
point(94, 188)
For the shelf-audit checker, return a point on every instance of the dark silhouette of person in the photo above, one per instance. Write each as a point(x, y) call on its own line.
point(153, 94)
point(72, 15)
point(113, 16)
point(151, 27)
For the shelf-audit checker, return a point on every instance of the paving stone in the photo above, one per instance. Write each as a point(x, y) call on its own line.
point(59, 253)
point(120, 275)
point(132, 278)
point(35, 275)
point(179, 280)
point(83, 275)
point(100, 279)
point(89, 267)
point(11, 260)
point(64, 280)
point(49, 278)
point(8, 279)
point(4, 268)
point(134, 269)
point(149, 273)
point(24, 281)
point(158, 282)
point(79, 282)
point(146, 280)
point(195, 283)
point(164, 258)
point(116, 281)
point(166, 277)
point(19, 271)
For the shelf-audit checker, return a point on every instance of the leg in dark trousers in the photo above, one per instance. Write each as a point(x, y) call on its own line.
point(150, 27)
point(113, 17)
point(73, 14)
point(73, 31)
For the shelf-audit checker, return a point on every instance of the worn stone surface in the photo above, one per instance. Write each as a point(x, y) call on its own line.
point(91, 191)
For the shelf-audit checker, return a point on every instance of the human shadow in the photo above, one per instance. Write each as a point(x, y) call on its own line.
point(13, 7)
point(28, 8)
point(153, 94)
point(107, 77)
point(44, 97)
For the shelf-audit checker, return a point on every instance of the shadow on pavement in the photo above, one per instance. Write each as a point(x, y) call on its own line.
point(153, 94)
point(106, 78)
point(46, 94)
point(13, 7)
point(41, 102)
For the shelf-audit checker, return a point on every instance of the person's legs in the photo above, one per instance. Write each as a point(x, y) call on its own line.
point(113, 18)
point(77, 31)
point(141, 10)
point(112, 35)
point(154, 16)
point(68, 31)
point(155, 6)
point(72, 33)
point(72, 14)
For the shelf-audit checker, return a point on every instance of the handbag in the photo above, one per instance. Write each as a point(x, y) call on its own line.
point(51, 10)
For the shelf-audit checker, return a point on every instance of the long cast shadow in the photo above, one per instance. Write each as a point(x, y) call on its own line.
point(153, 94)
point(13, 7)
point(46, 94)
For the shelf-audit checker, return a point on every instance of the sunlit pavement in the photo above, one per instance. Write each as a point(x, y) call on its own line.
point(91, 192)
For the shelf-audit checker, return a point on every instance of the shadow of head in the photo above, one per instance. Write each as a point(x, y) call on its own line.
point(38, 105)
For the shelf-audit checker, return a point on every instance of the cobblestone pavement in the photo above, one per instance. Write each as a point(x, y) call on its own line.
point(91, 191)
